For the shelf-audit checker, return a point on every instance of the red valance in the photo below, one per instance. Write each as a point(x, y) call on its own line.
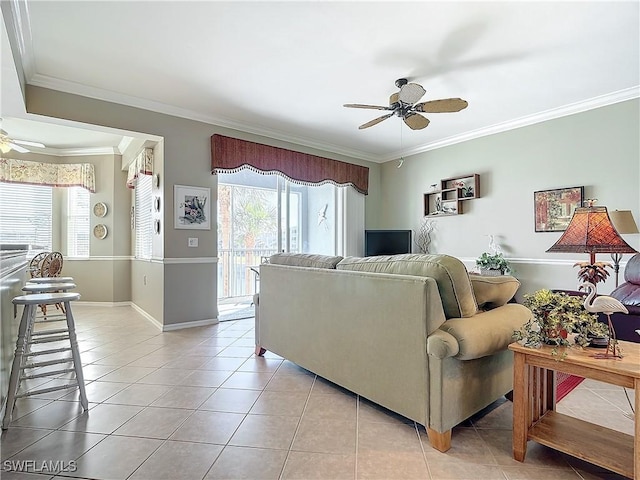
point(231, 154)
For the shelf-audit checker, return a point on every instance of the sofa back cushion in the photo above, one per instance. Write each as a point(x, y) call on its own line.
point(492, 292)
point(629, 292)
point(305, 260)
point(632, 270)
point(449, 273)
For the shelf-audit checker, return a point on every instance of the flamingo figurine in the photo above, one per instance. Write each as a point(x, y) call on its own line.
point(608, 306)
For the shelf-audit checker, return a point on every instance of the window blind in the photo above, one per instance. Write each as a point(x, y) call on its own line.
point(144, 228)
point(78, 222)
point(25, 215)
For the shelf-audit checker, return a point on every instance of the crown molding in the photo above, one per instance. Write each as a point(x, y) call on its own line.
point(566, 110)
point(75, 152)
point(73, 88)
point(552, 114)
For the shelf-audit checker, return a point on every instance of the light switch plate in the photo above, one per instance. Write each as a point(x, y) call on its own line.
point(193, 242)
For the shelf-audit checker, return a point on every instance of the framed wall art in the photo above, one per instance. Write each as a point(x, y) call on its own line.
point(192, 207)
point(554, 208)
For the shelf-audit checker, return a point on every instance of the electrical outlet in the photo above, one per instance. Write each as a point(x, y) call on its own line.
point(193, 242)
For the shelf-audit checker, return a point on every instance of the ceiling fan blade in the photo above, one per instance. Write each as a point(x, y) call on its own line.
point(415, 121)
point(375, 121)
point(411, 93)
point(29, 144)
point(442, 106)
point(372, 107)
point(18, 148)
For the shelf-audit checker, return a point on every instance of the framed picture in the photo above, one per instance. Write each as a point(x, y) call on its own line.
point(554, 208)
point(192, 207)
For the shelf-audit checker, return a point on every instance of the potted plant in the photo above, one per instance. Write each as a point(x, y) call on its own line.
point(493, 264)
point(555, 316)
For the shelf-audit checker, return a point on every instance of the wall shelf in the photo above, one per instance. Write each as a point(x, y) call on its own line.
point(453, 191)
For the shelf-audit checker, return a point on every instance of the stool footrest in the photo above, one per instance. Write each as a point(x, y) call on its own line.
point(47, 352)
point(47, 374)
point(50, 332)
point(49, 339)
point(47, 390)
point(46, 363)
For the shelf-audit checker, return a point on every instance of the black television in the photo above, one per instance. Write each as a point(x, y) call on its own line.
point(386, 242)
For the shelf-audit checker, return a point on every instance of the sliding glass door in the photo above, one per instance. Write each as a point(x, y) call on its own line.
point(259, 215)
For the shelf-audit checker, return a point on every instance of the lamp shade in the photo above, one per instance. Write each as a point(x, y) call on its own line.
point(623, 221)
point(591, 231)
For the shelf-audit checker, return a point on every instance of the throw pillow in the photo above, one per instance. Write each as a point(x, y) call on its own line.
point(492, 292)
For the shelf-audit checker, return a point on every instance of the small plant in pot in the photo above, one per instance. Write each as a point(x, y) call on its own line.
point(493, 264)
point(555, 316)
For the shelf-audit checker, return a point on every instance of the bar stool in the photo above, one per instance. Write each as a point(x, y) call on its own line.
point(24, 358)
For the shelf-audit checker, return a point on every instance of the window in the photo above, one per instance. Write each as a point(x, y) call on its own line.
point(25, 215)
point(144, 230)
point(78, 222)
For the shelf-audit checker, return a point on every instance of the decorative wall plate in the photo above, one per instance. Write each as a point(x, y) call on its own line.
point(100, 231)
point(100, 209)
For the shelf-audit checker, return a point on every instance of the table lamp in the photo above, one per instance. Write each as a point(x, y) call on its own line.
point(625, 224)
point(591, 231)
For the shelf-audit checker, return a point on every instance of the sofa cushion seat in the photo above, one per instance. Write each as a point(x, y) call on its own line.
point(488, 332)
point(305, 260)
point(449, 273)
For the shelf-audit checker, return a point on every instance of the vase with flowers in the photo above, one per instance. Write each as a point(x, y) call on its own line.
point(557, 317)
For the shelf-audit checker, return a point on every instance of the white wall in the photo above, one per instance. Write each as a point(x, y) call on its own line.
point(598, 149)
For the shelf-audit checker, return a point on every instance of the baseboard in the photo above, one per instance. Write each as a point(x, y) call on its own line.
point(195, 323)
point(152, 320)
point(148, 317)
point(105, 304)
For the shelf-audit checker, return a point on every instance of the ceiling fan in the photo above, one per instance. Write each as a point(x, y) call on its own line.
point(403, 104)
point(7, 144)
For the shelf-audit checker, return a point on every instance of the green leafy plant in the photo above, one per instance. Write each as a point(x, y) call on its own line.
point(555, 316)
point(488, 261)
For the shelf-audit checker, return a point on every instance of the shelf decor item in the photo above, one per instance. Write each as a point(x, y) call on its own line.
point(192, 208)
point(100, 231)
point(100, 209)
point(447, 199)
point(553, 208)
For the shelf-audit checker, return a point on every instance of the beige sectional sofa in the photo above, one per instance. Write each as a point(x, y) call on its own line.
point(404, 331)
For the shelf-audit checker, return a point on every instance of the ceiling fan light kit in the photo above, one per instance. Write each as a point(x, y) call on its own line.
point(7, 143)
point(403, 104)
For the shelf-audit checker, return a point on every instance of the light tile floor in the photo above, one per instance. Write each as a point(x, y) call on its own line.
point(196, 404)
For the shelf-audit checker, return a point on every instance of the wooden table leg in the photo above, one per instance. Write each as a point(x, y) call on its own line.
point(520, 406)
point(636, 436)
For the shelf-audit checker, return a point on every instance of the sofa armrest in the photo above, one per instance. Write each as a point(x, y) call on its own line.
point(441, 344)
point(488, 332)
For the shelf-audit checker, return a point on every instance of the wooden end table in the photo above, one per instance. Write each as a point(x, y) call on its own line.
point(534, 403)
